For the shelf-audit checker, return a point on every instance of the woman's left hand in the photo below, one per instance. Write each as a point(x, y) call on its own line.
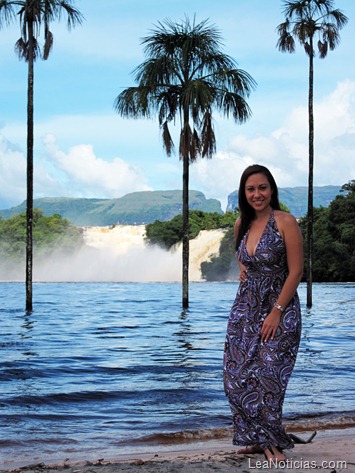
point(269, 327)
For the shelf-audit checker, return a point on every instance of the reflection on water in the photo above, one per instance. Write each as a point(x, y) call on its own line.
point(28, 325)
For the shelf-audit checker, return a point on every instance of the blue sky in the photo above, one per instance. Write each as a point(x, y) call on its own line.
point(84, 149)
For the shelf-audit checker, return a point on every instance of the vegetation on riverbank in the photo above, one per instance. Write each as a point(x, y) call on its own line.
point(334, 238)
point(167, 234)
point(51, 235)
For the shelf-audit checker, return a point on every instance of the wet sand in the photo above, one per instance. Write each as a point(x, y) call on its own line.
point(331, 451)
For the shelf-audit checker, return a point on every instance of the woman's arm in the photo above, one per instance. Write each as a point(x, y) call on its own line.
point(242, 268)
point(291, 234)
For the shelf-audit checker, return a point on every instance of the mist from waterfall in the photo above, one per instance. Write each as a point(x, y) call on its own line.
point(120, 254)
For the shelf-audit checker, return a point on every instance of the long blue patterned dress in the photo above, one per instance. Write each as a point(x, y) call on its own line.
point(256, 373)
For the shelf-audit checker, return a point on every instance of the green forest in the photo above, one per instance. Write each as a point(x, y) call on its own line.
point(51, 236)
point(334, 238)
point(167, 234)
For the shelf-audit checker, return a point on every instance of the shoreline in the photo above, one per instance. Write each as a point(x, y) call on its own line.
point(331, 449)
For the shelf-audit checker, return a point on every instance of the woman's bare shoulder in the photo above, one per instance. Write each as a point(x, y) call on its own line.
point(237, 222)
point(286, 223)
point(284, 217)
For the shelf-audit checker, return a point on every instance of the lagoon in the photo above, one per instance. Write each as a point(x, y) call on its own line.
point(115, 367)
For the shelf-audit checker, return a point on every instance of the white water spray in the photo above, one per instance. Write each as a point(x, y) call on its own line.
point(120, 254)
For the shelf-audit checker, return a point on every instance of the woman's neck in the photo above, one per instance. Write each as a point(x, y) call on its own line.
point(263, 214)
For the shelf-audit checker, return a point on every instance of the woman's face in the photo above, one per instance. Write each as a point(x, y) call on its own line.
point(258, 192)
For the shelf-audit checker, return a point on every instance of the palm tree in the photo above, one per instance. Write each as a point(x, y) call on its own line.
point(306, 20)
point(185, 76)
point(33, 14)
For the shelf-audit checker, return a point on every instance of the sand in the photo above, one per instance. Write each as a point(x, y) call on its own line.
point(331, 451)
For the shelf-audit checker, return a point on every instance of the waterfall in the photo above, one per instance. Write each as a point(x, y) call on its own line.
point(135, 261)
point(120, 254)
point(118, 239)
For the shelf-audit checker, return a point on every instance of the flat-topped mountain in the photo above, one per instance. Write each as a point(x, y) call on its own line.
point(137, 208)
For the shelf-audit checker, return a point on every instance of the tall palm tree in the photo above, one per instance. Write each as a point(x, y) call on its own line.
point(33, 14)
point(305, 21)
point(185, 76)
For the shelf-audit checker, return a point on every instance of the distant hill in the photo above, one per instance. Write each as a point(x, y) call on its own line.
point(136, 208)
point(296, 198)
point(139, 208)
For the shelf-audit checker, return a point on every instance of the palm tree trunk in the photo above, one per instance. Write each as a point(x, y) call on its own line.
point(29, 202)
point(185, 234)
point(310, 183)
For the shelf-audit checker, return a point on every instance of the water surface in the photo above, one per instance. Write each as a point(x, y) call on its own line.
point(112, 367)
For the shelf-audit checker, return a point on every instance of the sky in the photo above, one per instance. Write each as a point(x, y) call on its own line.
point(84, 149)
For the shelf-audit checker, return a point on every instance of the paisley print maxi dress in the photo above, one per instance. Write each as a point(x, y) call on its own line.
point(256, 373)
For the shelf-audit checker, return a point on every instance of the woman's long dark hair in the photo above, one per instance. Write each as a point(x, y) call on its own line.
point(247, 213)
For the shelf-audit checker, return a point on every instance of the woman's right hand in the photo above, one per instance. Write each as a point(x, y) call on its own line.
point(243, 275)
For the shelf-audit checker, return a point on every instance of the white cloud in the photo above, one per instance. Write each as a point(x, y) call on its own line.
point(90, 176)
point(285, 151)
point(77, 173)
point(12, 173)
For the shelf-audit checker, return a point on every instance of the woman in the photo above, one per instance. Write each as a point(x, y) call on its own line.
point(264, 325)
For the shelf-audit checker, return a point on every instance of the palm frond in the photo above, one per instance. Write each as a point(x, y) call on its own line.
point(51, 10)
point(235, 105)
point(340, 19)
point(197, 96)
point(22, 49)
point(48, 45)
point(322, 48)
point(308, 49)
point(160, 71)
point(194, 146)
point(330, 34)
point(206, 64)
point(304, 30)
point(7, 13)
point(186, 36)
point(190, 143)
point(235, 80)
point(167, 139)
point(208, 138)
point(185, 141)
point(167, 103)
point(286, 43)
point(133, 102)
point(74, 16)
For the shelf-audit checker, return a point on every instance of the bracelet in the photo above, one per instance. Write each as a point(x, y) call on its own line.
point(279, 307)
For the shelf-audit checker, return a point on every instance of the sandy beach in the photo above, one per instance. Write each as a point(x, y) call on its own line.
point(330, 451)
